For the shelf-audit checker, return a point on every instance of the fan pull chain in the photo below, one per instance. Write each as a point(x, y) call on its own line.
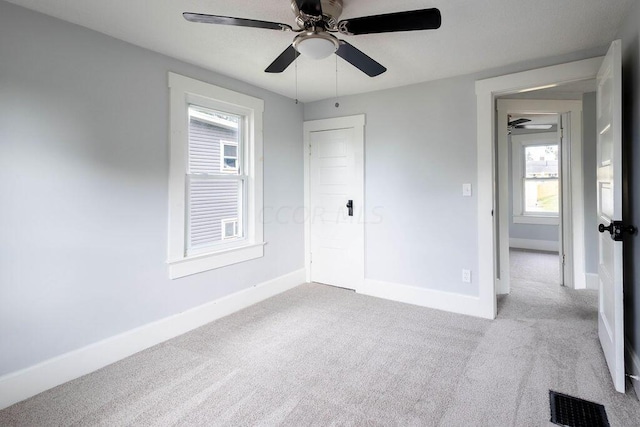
point(337, 103)
point(296, 65)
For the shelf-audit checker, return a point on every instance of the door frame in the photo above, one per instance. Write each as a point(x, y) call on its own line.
point(357, 122)
point(571, 190)
point(486, 92)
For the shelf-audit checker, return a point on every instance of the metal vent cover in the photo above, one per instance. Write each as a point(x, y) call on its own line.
point(574, 412)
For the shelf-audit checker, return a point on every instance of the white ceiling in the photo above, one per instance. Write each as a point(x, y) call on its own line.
point(475, 35)
point(566, 91)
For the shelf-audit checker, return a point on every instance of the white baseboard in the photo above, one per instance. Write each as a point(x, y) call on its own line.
point(593, 281)
point(28, 382)
point(446, 301)
point(535, 245)
point(633, 367)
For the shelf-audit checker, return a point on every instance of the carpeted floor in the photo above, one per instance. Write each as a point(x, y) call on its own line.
point(544, 267)
point(319, 355)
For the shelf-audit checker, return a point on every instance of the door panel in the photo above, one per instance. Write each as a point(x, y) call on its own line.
point(609, 164)
point(335, 177)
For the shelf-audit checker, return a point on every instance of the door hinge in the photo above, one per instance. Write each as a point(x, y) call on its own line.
point(564, 259)
point(562, 133)
point(309, 149)
point(310, 257)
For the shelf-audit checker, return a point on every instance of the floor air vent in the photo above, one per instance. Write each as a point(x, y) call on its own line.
point(573, 412)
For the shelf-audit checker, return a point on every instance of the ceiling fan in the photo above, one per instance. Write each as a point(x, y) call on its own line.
point(521, 124)
point(518, 123)
point(317, 20)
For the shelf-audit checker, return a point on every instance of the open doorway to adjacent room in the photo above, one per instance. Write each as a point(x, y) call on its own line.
point(535, 228)
point(534, 186)
point(543, 189)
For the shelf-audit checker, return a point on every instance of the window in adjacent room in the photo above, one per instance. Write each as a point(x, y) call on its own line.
point(215, 178)
point(536, 183)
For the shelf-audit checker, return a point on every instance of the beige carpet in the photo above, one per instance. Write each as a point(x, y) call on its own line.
point(318, 355)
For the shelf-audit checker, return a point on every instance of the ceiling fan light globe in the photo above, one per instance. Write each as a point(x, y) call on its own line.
point(538, 126)
point(316, 47)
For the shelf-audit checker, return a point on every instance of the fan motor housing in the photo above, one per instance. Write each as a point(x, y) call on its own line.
point(331, 11)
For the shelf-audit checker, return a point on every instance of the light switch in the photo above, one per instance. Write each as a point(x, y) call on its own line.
point(466, 190)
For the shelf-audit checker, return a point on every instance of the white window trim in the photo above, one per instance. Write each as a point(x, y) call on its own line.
point(184, 91)
point(518, 142)
point(223, 168)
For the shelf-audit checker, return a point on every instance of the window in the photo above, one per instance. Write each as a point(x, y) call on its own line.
point(215, 178)
point(536, 184)
point(229, 228)
point(229, 156)
point(215, 181)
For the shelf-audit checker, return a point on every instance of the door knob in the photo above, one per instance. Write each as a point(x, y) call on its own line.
point(609, 228)
point(617, 229)
point(350, 207)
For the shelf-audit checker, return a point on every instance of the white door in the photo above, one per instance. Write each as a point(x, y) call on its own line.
point(609, 155)
point(336, 205)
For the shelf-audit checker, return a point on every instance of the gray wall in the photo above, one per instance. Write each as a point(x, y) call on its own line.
point(630, 35)
point(589, 137)
point(83, 180)
point(420, 148)
point(427, 232)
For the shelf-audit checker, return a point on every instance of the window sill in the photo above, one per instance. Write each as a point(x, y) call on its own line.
point(536, 219)
point(210, 261)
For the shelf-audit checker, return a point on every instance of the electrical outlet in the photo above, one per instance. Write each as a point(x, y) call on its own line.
point(466, 276)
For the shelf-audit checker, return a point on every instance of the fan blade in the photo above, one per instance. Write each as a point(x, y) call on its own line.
point(518, 122)
point(239, 22)
point(359, 60)
point(285, 59)
point(424, 19)
point(310, 7)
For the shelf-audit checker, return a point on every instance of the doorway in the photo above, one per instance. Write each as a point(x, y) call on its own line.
point(487, 91)
point(609, 94)
point(534, 198)
point(539, 147)
point(534, 182)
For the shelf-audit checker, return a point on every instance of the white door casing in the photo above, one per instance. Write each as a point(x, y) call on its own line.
point(486, 92)
point(334, 174)
point(609, 205)
point(565, 247)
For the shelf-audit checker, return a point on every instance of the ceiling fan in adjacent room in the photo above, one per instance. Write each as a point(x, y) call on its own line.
point(317, 20)
point(523, 123)
point(517, 124)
